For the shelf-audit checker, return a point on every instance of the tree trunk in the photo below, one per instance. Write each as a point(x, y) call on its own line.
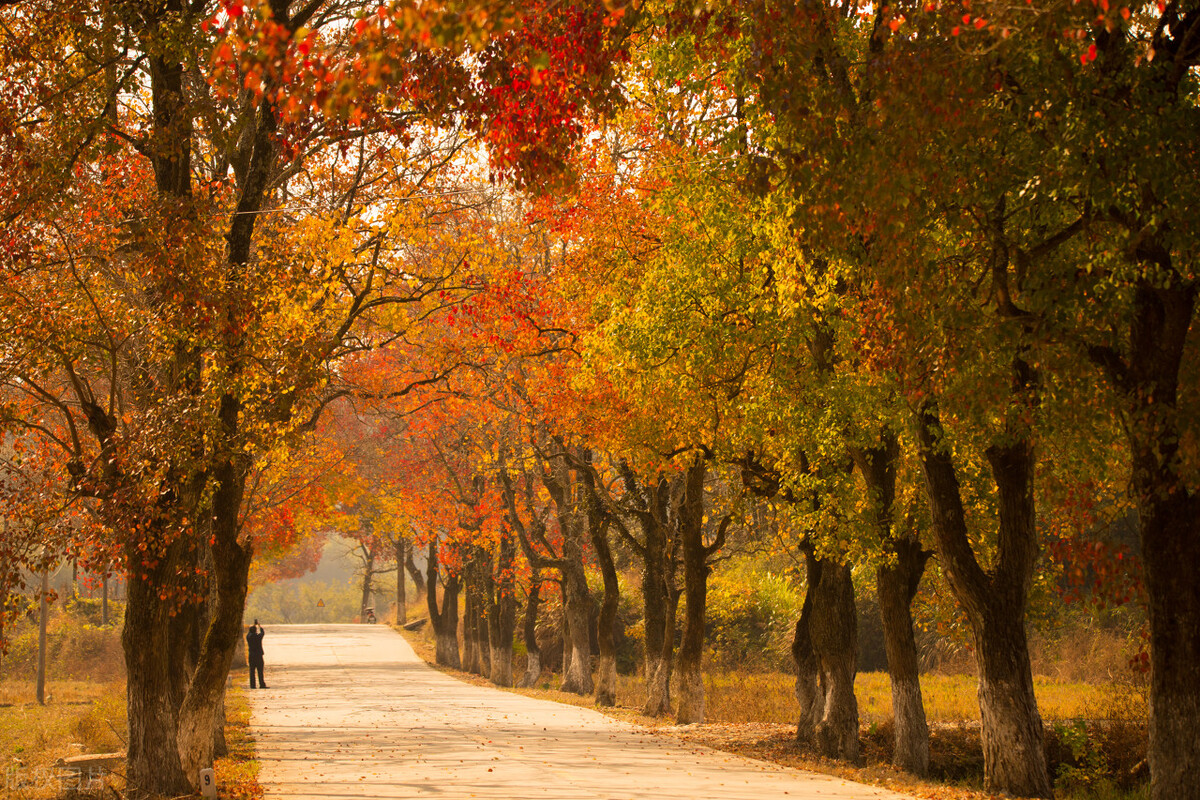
point(833, 627)
point(368, 575)
point(655, 592)
point(414, 573)
point(564, 626)
point(658, 687)
point(501, 665)
point(577, 637)
point(897, 585)
point(661, 599)
point(598, 525)
point(153, 763)
point(502, 611)
point(1168, 501)
point(223, 631)
point(446, 652)
point(654, 607)
point(445, 621)
point(471, 659)
point(475, 626)
point(897, 582)
point(482, 637)
point(401, 593)
point(695, 575)
point(577, 601)
point(810, 687)
point(606, 669)
point(1014, 758)
point(1170, 523)
point(220, 744)
point(1012, 730)
point(533, 663)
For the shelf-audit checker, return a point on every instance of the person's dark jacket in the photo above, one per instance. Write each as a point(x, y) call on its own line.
point(254, 642)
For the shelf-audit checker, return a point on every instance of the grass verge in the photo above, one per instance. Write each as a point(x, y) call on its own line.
point(237, 772)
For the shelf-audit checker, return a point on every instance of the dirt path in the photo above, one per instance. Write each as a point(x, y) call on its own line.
point(352, 712)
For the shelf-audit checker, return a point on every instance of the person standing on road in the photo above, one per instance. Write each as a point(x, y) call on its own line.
point(254, 650)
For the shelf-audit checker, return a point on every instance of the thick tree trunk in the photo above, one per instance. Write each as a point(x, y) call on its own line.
point(834, 631)
point(220, 744)
point(606, 669)
point(654, 610)
point(690, 708)
point(502, 612)
point(1171, 548)
point(663, 557)
point(533, 661)
point(1012, 730)
point(1168, 497)
point(198, 716)
point(897, 582)
point(501, 665)
point(577, 638)
point(652, 507)
point(479, 590)
point(472, 614)
point(606, 626)
point(995, 604)
point(577, 601)
point(445, 620)
point(655, 591)
point(810, 688)
point(564, 637)
point(230, 564)
point(482, 637)
point(446, 652)
point(152, 667)
point(897, 586)
point(155, 645)
point(658, 686)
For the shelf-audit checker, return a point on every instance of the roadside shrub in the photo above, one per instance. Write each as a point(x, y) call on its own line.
point(1086, 769)
point(75, 650)
point(750, 618)
point(101, 725)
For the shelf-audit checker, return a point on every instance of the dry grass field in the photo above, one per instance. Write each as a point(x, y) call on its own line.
point(79, 717)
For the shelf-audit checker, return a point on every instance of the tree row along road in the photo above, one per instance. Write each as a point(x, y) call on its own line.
point(353, 712)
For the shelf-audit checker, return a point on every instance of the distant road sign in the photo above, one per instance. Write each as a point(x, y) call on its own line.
point(320, 604)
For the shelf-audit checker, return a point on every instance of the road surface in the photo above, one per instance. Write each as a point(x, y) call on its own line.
point(352, 712)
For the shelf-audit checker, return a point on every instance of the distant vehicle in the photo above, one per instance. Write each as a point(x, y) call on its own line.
point(369, 616)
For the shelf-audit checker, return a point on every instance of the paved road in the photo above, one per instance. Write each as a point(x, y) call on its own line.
point(352, 712)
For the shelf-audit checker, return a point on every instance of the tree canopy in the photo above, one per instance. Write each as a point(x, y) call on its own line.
point(515, 282)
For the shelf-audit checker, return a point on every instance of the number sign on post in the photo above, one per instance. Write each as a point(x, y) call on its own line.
point(208, 783)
